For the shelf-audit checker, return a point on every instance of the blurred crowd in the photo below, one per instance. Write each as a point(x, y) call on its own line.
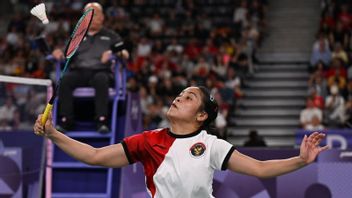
point(20, 105)
point(174, 44)
point(329, 104)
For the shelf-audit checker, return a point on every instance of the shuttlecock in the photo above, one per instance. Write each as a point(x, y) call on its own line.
point(40, 12)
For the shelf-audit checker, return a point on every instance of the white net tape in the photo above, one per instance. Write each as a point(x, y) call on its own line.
point(23, 80)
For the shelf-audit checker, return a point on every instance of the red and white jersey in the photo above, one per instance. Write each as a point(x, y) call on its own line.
point(178, 165)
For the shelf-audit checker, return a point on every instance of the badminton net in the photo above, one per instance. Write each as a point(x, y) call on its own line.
point(21, 101)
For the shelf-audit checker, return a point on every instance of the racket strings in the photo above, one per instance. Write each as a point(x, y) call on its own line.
point(79, 33)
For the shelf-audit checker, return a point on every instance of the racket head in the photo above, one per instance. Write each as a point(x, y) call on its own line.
point(79, 32)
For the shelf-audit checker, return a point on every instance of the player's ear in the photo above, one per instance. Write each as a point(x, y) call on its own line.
point(202, 116)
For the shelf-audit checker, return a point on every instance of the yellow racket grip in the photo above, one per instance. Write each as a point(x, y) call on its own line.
point(46, 113)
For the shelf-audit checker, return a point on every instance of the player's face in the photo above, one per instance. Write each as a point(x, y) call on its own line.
point(186, 105)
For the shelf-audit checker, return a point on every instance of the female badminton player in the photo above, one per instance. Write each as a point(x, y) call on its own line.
point(180, 161)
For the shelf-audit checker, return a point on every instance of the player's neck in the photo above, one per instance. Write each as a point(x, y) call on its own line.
point(183, 129)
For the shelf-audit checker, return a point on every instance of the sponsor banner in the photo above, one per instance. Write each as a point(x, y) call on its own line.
point(21, 164)
point(11, 172)
point(330, 176)
point(339, 139)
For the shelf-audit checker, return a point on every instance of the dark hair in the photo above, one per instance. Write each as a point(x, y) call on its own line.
point(209, 105)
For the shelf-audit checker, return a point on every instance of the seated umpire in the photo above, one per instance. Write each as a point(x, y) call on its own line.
point(90, 66)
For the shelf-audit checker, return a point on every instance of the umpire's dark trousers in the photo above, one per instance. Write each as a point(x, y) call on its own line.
point(98, 79)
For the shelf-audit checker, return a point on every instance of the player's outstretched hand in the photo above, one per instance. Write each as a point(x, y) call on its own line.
point(310, 147)
point(46, 130)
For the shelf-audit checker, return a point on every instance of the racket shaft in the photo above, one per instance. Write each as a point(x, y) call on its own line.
point(46, 113)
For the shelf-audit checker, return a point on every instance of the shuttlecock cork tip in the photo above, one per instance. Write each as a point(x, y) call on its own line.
point(45, 21)
point(40, 12)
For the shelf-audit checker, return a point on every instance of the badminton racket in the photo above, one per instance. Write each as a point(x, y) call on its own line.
point(76, 38)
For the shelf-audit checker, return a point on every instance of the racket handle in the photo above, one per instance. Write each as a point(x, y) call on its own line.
point(46, 113)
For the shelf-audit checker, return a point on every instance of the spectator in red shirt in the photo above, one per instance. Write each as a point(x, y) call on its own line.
point(345, 17)
point(318, 101)
point(192, 49)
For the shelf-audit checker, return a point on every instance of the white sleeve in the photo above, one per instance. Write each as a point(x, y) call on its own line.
point(220, 154)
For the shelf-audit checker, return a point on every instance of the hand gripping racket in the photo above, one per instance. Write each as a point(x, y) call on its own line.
point(76, 38)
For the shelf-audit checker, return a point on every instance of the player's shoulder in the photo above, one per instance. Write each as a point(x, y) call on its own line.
point(204, 134)
point(155, 132)
point(148, 135)
point(157, 136)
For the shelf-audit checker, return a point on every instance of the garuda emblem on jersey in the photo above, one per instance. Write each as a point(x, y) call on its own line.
point(197, 149)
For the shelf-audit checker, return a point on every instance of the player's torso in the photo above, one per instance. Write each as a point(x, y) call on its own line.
point(185, 170)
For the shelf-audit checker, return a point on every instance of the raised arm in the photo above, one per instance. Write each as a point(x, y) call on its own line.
point(309, 150)
point(109, 156)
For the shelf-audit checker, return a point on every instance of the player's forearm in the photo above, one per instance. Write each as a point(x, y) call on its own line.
point(273, 168)
point(78, 150)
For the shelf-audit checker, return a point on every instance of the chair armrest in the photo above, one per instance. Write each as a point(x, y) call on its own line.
point(120, 76)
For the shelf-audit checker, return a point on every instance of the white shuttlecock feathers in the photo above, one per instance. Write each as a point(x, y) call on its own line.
point(40, 12)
